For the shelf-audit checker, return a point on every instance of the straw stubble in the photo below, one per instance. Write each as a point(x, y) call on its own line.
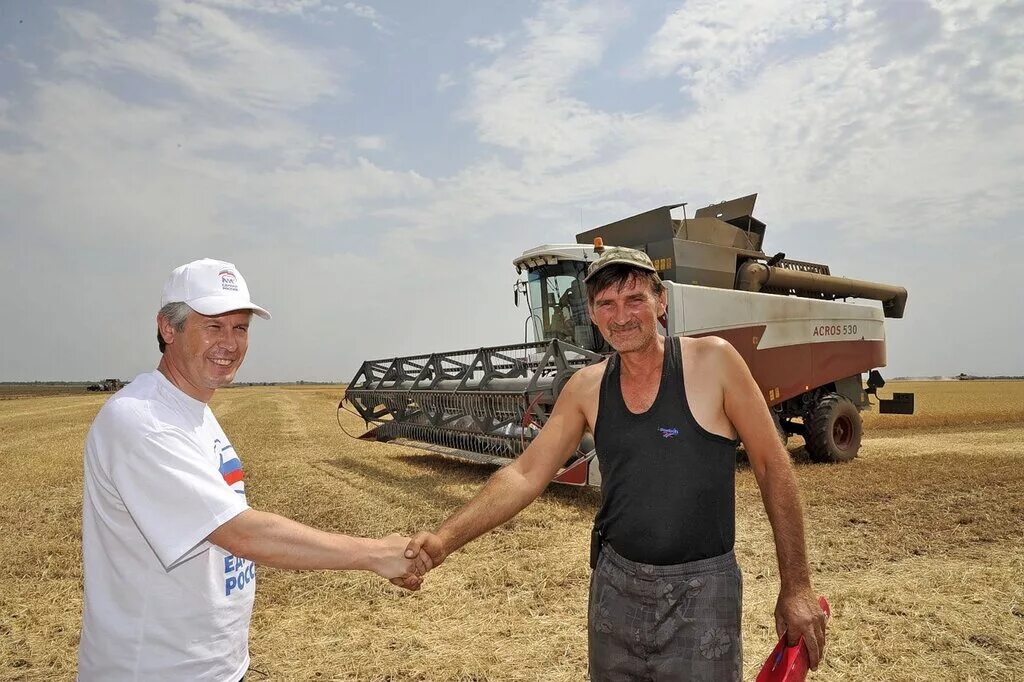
point(917, 544)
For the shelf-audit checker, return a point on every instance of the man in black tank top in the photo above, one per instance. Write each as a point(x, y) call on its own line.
point(666, 414)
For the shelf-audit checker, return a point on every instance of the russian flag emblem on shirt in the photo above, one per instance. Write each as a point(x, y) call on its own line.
point(231, 467)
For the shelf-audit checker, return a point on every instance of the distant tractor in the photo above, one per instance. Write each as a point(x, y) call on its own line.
point(807, 350)
point(107, 386)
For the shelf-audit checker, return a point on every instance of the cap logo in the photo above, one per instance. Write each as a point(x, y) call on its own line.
point(228, 281)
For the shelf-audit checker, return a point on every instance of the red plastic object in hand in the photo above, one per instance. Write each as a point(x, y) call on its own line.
point(789, 663)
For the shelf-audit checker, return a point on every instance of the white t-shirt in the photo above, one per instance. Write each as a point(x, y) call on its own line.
point(161, 603)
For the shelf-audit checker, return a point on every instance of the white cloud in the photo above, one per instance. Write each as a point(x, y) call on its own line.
point(110, 198)
point(10, 54)
point(849, 144)
point(711, 45)
point(374, 143)
point(207, 54)
point(521, 100)
point(816, 129)
point(5, 122)
point(119, 167)
point(367, 13)
point(866, 140)
point(283, 7)
point(493, 43)
point(445, 81)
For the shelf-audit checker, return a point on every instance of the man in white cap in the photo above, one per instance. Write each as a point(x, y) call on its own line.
point(168, 541)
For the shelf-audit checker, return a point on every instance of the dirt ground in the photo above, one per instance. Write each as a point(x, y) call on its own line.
point(917, 543)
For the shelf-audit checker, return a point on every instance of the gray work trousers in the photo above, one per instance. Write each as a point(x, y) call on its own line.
point(656, 623)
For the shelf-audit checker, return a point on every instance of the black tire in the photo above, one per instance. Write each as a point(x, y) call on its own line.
point(834, 429)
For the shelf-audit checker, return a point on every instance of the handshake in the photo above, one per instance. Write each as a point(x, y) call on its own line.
point(405, 561)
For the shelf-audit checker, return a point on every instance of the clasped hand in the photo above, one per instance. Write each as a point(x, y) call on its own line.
point(388, 558)
point(405, 561)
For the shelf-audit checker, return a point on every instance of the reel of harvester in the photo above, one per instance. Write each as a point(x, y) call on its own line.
point(485, 405)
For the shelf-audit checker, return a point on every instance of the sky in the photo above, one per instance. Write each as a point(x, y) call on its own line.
point(373, 169)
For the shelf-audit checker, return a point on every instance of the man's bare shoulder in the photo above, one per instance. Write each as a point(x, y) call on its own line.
point(706, 347)
point(582, 391)
point(710, 353)
point(587, 381)
point(591, 373)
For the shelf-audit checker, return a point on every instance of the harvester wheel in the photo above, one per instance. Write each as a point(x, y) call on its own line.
point(834, 429)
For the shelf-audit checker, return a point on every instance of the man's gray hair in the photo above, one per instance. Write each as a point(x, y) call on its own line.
point(175, 313)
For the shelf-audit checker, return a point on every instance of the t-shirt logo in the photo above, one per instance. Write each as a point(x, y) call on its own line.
point(228, 282)
point(668, 433)
point(230, 466)
point(238, 574)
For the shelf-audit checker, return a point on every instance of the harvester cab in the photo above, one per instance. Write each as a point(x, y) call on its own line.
point(556, 295)
point(806, 345)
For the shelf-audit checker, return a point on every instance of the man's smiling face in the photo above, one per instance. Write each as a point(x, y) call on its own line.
point(208, 350)
point(627, 315)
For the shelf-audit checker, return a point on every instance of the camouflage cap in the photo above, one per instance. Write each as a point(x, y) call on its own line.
point(620, 254)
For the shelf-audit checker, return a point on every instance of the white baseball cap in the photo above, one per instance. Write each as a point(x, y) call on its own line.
point(209, 287)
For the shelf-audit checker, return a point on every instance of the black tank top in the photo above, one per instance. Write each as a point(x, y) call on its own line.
point(668, 485)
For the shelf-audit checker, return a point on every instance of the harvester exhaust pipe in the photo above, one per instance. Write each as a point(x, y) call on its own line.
point(755, 276)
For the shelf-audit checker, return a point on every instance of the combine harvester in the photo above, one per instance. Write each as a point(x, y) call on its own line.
point(807, 350)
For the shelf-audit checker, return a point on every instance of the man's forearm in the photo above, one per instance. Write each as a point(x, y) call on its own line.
point(506, 493)
point(273, 540)
point(782, 504)
point(797, 612)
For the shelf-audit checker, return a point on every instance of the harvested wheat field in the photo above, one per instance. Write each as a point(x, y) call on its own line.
point(917, 543)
